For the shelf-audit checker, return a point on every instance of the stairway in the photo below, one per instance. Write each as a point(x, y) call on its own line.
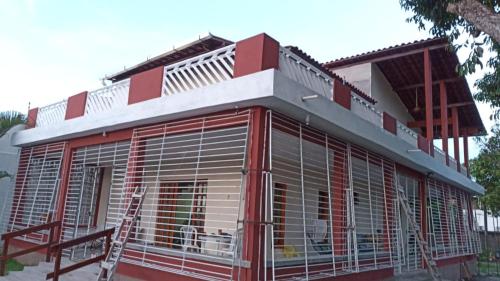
point(39, 272)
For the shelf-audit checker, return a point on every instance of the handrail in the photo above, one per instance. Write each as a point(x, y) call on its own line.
point(70, 243)
point(11, 235)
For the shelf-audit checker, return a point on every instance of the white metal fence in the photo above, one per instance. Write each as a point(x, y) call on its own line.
point(51, 114)
point(200, 71)
point(303, 72)
point(36, 188)
point(104, 99)
point(332, 205)
point(450, 221)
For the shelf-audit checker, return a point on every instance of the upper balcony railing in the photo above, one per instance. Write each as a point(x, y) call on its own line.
point(200, 71)
point(51, 114)
point(104, 99)
point(303, 72)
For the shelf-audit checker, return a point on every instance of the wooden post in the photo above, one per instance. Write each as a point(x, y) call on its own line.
point(5, 252)
point(49, 244)
point(57, 264)
point(429, 118)
point(443, 98)
point(466, 151)
point(456, 136)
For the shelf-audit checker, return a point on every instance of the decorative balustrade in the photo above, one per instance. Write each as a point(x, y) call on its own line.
point(439, 155)
point(104, 99)
point(200, 71)
point(51, 114)
point(303, 72)
point(365, 110)
point(407, 134)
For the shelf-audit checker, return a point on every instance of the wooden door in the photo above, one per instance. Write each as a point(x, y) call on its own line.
point(165, 216)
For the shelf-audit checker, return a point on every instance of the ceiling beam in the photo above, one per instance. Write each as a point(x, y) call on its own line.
point(421, 123)
point(457, 104)
point(420, 85)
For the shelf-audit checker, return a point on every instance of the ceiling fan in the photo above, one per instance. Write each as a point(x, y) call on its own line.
point(417, 108)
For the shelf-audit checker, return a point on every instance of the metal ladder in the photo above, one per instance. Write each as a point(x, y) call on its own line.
point(108, 266)
point(424, 247)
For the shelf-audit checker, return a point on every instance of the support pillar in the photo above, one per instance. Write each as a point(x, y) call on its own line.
point(456, 136)
point(443, 98)
point(466, 151)
point(428, 101)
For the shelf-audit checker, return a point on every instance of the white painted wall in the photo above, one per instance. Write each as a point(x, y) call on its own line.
point(369, 79)
point(358, 75)
point(104, 199)
point(387, 99)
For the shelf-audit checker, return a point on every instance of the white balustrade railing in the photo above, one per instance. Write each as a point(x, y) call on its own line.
point(104, 99)
point(200, 71)
point(439, 155)
point(51, 114)
point(365, 110)
point(295, 68)
point(407, 134)
point(463, 170)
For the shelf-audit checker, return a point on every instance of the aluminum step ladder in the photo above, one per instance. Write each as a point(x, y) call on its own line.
point(424, 247)
point(108, 266)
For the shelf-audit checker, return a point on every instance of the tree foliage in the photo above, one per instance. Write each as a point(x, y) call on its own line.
point(485, 168)
point(9, 119)
point(463, 23)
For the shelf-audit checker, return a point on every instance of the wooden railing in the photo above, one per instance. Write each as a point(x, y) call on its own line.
point(11, 235)
point(58, 249)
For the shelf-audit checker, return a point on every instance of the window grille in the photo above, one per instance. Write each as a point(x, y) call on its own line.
point(36, 188)
point(191, 222)
point(410, 254)
point(95, 182)
point(450, 221)
point(337, 215)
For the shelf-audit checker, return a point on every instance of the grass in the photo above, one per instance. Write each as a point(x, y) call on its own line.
point(489, 268)
point(13, 265)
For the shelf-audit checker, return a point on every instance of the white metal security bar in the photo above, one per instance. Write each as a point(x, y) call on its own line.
point(191, 222)
point(104, 99)
point(451, 232)
point(410, 255)
point(96, 179)
point(200, 71)
point(303, 72)
point(36, 187)
point(331, 204)
point(51, 114)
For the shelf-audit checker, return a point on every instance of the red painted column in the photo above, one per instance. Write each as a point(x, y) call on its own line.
point(390, 123)
point(146, 85)
point(76, 105)
point(456, 136)
point(253, 230)
point(429, 118)
point(255, 54)
point(466, 151)
point(339, 182)
point(443, 98)
point(32, 115)
point(341, 94)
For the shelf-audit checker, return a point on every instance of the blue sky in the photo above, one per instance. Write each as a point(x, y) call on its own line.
point(50, 50)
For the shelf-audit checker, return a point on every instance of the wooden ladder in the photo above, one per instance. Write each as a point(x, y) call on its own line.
point(424, 247)
point(108, 266)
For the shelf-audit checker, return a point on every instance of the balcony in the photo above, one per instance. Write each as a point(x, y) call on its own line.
point(217, 66)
